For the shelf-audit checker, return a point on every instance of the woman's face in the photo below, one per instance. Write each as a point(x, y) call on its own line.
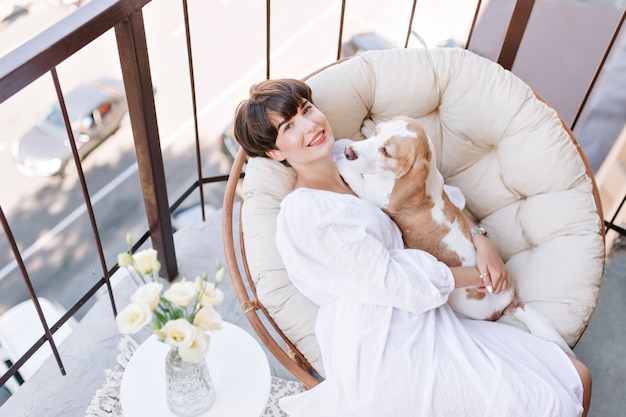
point(304, 138)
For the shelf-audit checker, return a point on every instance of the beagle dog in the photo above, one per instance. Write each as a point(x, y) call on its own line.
point(396, 170)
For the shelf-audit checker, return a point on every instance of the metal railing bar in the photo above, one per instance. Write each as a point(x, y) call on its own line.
point(515, 32)
point(186, 194)
point(143, 239)
point(83, 185)
point(133, 52)
point(614, 227)
point(341, 21)
point(196, 184)
point(194, 104)
point(40, 54)
point(619, 208)
point(15, 367)
point(87, 296)
point(268, 8)
point(473, 26)
point(607, 51)
point(410, 29)
point(18, 257)
point(216, 178)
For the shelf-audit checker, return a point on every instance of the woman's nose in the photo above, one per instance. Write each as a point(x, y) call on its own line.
point(308, 125)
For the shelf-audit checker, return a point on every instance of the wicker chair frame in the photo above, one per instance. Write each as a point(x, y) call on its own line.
point(287, 354)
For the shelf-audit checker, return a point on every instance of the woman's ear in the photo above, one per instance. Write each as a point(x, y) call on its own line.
point(275, 154)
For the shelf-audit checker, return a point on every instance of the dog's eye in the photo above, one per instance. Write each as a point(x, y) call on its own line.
point(386, 154)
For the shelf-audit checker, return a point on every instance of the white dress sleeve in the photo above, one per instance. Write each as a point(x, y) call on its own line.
point(455, 195)
point(338, 246)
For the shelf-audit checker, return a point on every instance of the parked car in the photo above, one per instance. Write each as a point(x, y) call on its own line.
point(228, 143)
point(95, 109)
point(367, 41)
point(12, 9)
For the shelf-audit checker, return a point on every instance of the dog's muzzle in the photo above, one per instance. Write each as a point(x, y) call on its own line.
point(350, 154)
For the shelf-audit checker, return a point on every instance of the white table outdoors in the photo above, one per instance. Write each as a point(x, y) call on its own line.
point(238, 366)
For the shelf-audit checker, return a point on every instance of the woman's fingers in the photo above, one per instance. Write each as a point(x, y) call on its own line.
point(486, 277)
point(500, 280)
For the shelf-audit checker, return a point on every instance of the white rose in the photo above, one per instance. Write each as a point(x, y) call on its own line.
point(146, 261)
point(197, 350)
point(181, 293)
point(220, 274)
point(148, 294)
point(124, 259)
point(210, 296)
point(208, 319)
point(179, 333)
point(132, 318)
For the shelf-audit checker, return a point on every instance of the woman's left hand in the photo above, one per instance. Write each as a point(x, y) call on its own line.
point(490, 265)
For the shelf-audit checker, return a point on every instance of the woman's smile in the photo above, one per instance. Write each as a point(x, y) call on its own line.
point(320, 137)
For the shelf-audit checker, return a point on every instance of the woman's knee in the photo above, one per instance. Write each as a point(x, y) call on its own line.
point(584, 372)
point(585, 377)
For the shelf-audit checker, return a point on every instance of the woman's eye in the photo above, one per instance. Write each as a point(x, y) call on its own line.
point(306, 109)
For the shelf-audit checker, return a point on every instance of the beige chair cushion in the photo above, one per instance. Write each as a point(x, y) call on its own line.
point(520, 170)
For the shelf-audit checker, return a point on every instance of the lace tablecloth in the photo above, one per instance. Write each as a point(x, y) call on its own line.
point(106, 400)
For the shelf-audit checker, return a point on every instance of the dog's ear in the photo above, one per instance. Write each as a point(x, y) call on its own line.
point(410, 188)
point(368, 128)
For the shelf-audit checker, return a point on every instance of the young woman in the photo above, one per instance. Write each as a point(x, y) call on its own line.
point(391, 345)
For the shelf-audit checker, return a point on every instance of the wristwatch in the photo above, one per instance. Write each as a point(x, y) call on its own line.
point(478, 230)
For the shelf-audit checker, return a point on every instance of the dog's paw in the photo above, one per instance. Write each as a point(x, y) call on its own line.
point(368, 128)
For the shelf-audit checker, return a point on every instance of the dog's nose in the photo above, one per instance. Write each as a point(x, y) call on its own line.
point(349, 153)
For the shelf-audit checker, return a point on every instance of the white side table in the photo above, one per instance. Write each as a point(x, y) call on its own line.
point(237, 364)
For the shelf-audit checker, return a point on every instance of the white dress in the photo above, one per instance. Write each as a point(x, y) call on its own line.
point(391, 346)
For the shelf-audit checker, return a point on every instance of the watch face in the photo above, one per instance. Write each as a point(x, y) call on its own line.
point(477, 230)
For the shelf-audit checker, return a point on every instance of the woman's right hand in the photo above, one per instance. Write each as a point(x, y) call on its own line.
point(490, 265)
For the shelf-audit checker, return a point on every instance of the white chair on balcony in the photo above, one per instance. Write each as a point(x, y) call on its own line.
point(20, 328)
point(521, 170)
point(5, 362)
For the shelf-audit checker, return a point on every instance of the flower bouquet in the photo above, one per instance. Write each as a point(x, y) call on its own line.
point(179, 315)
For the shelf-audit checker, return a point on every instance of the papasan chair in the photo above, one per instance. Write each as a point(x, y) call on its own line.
point(519, 166)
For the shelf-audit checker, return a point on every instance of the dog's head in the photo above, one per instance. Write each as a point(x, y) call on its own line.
point(398, 146)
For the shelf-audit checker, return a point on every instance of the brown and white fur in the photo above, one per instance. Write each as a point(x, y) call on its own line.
point(395, 169)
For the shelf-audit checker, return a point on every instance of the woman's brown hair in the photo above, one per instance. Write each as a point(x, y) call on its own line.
point(252, 126)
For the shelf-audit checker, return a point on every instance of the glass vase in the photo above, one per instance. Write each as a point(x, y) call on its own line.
point(189, 389)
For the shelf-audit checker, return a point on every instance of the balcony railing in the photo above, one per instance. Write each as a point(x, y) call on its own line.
point(42, 55)
point(46, 52)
